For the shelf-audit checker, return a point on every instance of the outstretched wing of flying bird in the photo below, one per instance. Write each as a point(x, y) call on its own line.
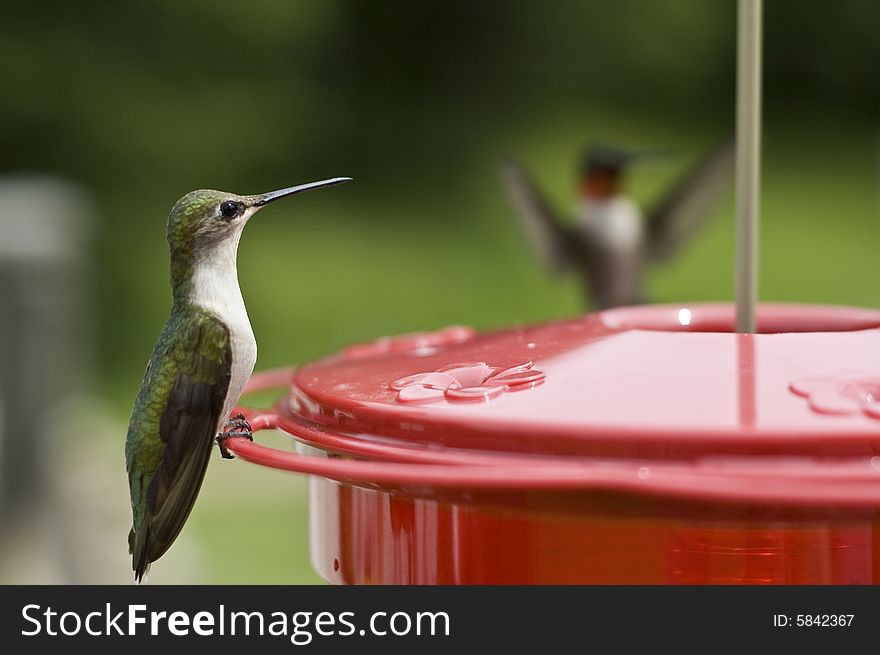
point(554, 243)
point(689, 203)
point(182, 397)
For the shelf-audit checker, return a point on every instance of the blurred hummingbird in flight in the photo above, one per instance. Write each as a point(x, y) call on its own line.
point(610, 239)
point(197, 370)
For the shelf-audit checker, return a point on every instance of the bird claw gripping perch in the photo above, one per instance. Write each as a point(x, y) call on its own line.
point(236, 426)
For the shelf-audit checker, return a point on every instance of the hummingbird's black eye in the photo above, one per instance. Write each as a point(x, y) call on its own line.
point(229, 208)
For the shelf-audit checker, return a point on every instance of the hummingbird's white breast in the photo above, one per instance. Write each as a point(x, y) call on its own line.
point(615, 223)
point(215, 288)
point(616, 227)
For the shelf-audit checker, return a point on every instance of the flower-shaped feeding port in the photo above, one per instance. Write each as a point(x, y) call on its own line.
point(841, 392)
point(466, 382)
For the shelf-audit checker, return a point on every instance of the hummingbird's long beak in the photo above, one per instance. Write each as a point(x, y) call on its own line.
point(266, 198)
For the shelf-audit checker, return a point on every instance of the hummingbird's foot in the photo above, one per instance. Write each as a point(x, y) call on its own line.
point(236, 426)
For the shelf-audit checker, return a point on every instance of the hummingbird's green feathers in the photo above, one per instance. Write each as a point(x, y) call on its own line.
point(173, 424)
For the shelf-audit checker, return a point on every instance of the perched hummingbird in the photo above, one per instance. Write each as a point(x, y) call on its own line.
point(610, 239)
point(197, 370)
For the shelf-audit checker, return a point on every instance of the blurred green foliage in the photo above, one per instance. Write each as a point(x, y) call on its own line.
point(417, 101)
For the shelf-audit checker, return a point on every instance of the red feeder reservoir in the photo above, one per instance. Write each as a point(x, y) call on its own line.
point(648, 445)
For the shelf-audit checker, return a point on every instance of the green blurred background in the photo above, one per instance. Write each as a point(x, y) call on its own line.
point(418, 101)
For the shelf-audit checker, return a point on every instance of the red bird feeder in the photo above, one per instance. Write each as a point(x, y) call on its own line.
point(649, 445)
point(640, 445)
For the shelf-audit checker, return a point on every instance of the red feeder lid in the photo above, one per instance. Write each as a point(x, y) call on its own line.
point(649, 382)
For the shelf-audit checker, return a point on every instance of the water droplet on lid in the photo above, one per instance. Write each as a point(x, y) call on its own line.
point(644, 473)
point(531, 345)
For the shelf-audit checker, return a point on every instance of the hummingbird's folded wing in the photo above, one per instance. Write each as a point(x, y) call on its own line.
point(689, 203)
point(200, 371)
point(550, 239)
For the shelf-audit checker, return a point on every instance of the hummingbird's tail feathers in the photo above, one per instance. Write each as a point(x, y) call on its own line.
point(177, 500)
point(140, 561)
point(549, 238)
point(140, 576)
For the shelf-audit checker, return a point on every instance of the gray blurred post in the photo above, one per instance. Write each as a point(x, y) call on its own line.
point(748, 160)
point(43, 227)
